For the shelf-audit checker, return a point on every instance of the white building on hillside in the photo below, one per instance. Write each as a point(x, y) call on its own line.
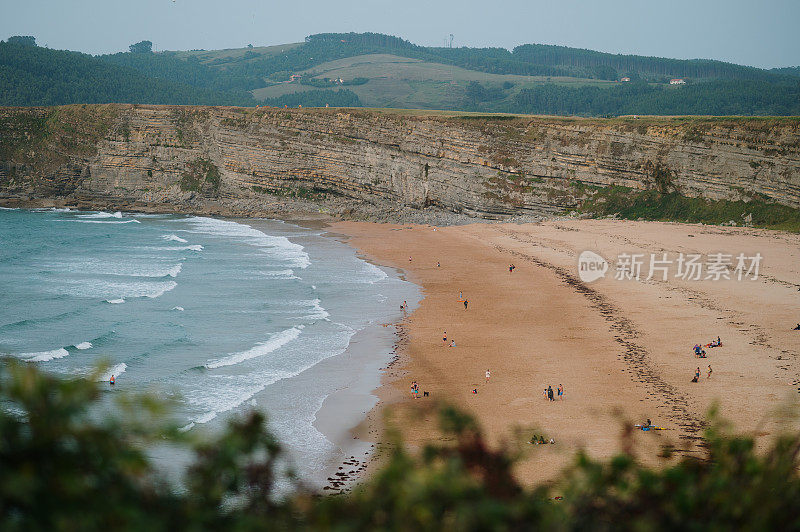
point(677, 81)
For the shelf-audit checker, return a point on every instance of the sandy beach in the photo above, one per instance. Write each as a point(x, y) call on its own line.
point(621, 348)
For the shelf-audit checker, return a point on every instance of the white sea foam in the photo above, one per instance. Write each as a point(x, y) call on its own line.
point(194, 247)
point(177, 308)
point(108, 222)
point(43, 356)
point(174, 271)
point(164, 288)
point(276, 341)
point(83, 346)
point(104, 289)
point(128, 268)
point(226, 392)
point(101, 215)
point(115, 301)
point(278, 247)
point(317, 312)
point(173, 238)
point(116, 370)
point(280, 274)
point(371, 274)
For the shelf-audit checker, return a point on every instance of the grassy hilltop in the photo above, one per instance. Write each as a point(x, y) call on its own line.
point(374, 70)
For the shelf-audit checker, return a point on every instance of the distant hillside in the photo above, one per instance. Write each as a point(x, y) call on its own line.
point(376, 70)
point(30, 75)
point(788, 71)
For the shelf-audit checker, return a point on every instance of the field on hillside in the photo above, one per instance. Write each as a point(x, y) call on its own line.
point(386, 71)
point(220, 57)
point(396, 81)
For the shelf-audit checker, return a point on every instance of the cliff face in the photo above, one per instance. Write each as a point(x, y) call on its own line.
point(347, 159)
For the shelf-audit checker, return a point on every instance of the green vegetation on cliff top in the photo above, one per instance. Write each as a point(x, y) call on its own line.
point(673, 207)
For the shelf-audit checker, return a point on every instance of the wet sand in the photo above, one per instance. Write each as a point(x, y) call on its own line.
point(622, 349)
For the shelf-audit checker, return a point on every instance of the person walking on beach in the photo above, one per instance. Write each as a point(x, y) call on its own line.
point(460, 295)
point(550, 393)
point(444, 338)
point(488, 374)
point(560, 392)
point(710, 371)
point(466, 302)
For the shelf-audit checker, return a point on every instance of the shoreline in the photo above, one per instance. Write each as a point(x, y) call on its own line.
point(372, 351)
point(355, 373)
point(620, 349)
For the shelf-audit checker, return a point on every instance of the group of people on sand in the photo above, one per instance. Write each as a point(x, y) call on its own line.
point(550, 396)
point(444, 340)
point(511, 268)
point(696, 377)
point(699, 352)
point(540, 440)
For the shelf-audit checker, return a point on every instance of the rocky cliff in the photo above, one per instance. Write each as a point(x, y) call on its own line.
point(267, 161)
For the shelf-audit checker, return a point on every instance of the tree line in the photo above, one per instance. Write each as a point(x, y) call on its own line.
point(730, 97)
point(31, 75)
point(37, 76)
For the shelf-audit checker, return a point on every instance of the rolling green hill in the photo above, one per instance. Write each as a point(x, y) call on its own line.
point(401, 82)
point(376, 70)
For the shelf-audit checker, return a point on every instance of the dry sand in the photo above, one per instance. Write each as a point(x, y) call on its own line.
point(621, 349)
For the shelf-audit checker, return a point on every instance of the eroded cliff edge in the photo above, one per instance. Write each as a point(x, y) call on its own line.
point(364, 163)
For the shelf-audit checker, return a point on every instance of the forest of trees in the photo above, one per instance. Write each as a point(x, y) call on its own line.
point(30, 75)
point(710, 98)
point(316, 98)
point(584, 63)
point(168, 66)
point(788, 71)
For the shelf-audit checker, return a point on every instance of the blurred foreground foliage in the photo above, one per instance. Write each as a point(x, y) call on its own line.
point(64, 468)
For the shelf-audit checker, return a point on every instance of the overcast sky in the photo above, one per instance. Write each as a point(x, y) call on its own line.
point(761, 33)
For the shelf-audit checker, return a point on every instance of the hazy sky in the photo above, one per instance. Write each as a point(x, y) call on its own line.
point(760, 33)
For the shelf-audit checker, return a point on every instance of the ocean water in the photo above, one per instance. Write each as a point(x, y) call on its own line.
point(221, 315)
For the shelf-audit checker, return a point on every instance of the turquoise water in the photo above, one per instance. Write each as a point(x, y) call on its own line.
point(213, 313)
